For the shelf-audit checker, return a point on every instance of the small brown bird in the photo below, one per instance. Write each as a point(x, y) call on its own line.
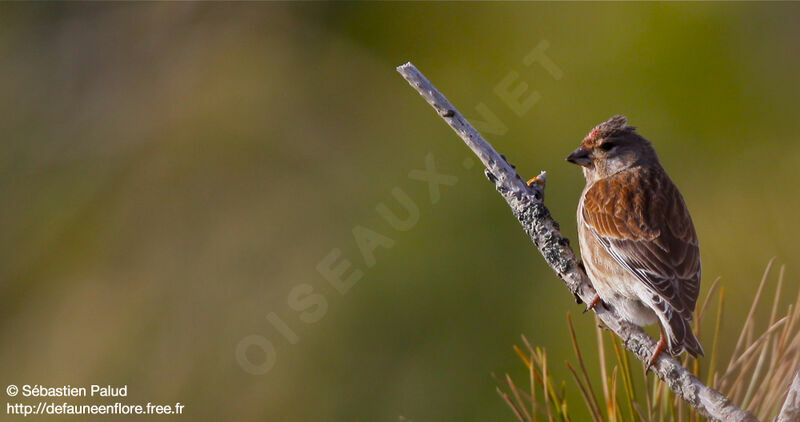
point(637, 239)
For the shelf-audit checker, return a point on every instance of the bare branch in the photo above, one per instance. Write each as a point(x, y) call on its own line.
point(527, 204)
point(790, 411)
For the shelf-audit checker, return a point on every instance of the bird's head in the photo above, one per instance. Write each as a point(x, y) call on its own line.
point(611, 147)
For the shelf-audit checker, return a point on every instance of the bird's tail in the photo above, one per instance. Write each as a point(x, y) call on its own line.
point(680, 336)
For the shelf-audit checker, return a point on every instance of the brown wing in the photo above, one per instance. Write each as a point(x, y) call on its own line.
point(640, 218)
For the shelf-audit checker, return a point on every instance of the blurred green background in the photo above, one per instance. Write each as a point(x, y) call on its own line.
point(171, 172)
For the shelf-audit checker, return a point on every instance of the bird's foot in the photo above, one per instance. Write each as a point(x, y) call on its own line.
point(592, 304)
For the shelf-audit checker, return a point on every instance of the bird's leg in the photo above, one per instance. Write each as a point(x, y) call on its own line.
point(660, 346)
point(592, 304)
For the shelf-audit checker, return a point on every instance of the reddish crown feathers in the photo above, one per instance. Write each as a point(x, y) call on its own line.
point(614, 126)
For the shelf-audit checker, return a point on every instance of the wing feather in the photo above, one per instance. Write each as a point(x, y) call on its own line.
point(640, 218)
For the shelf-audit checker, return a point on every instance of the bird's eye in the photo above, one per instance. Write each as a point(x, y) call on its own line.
point(608, 146)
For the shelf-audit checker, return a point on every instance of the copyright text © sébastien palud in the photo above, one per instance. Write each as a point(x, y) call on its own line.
point(93, 390)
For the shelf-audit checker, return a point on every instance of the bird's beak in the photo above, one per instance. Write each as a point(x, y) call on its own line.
point(580, 157)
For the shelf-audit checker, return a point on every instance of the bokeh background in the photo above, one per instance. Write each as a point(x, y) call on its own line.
point(171, 172)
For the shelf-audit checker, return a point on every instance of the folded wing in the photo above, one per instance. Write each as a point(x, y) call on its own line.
point(642, 221)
